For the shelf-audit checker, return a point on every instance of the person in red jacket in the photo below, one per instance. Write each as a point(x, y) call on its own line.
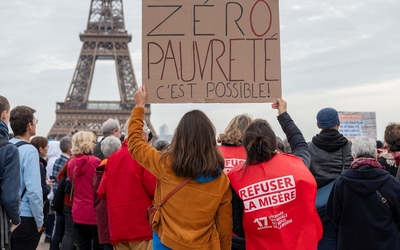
point(108, 147)
point(81, 170)
point(276, 190)
point(232, 141)
point(129, 191)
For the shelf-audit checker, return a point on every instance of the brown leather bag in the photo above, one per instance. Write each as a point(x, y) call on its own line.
point(153, 210)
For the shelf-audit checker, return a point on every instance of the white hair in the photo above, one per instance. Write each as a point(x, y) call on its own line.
point(108, 126)
point(109, 145)
point(364, 147)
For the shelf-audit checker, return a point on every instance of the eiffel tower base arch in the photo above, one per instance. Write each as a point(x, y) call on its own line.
point(70, 121)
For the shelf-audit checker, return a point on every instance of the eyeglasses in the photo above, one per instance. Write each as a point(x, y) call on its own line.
point(146, 130)
point(35, 121)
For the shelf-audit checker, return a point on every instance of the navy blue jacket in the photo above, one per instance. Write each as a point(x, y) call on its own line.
point(364, 222)
point(10, 176)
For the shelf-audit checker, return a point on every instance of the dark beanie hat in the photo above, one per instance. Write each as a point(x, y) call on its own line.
point(379, 144)
point(327, 118)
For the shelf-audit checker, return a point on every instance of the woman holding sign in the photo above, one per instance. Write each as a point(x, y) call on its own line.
point(276, 190)
point(199, 214)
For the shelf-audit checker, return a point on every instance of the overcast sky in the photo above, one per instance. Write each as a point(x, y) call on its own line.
point(342, 54)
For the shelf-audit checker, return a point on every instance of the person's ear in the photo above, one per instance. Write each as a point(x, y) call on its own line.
point(3, 115)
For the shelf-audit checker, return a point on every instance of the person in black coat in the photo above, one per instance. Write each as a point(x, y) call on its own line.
point(365, 202)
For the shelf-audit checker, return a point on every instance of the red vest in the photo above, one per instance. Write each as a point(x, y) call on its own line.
point(279, 204)
point(234, 155)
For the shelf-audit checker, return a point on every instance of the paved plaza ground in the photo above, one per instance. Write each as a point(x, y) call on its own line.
point(42, 245)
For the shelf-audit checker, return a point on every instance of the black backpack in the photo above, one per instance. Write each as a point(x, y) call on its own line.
point(5, 236)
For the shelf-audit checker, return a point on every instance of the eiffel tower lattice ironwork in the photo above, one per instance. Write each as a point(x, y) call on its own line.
point(104, 39)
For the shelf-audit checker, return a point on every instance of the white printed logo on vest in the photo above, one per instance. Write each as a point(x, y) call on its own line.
point(268, 193)
point(262, 223)
point(231, 162)
point(277, 221)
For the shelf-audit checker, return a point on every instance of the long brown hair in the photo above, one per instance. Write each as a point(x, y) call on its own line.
point(259, 141)
point(193, 149)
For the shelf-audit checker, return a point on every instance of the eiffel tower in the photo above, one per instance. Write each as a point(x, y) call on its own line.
point(104, 39)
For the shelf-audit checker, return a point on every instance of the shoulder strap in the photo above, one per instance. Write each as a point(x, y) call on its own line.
point(176, 189)
point(23, 193)
point(344, 151)
point(72, 183)
point(20, 143)
point(383, 199)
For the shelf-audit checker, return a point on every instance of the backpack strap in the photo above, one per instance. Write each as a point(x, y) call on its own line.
point(344, 152)
point(23, 193)
point(18, 144)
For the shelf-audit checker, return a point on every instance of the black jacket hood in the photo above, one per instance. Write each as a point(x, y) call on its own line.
point(329, 140)
point(365, 180)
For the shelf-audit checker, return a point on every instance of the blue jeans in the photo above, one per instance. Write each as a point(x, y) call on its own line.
point(329, 238)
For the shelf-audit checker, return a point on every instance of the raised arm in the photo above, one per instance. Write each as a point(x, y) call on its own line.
point(140, 150)
point(293, 134)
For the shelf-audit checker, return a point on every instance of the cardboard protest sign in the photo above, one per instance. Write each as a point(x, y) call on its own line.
point(211, 51)
point(357, 124)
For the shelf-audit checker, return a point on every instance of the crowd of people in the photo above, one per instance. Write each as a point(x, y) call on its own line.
point(245, 188)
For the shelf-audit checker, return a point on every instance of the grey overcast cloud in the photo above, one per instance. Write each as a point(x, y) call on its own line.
point(341, 54)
